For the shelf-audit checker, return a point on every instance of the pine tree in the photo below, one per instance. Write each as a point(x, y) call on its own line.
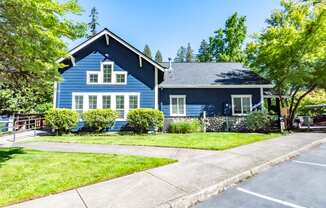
point(147, 51)
point(158, 57)
point(92, 25)
point(181, 55)
point(189, 52)
point(204, 54)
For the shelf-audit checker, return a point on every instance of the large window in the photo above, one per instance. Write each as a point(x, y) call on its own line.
point(107, 73)
point(178, 105)
point(92, 102)
point(106, 101)
point(79, 103)
point(133, 102)
point(120, 105)
point(241, 104)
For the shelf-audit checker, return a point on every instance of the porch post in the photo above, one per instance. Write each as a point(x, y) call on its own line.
point(262, 98)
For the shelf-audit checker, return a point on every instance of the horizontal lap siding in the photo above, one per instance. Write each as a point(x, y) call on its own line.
point(139, 80)
point(209, 100)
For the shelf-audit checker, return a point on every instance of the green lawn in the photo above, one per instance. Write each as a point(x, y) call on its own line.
point(211, 141)
point(27, 174)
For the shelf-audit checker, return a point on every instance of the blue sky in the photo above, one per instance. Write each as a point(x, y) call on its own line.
point(168, 24)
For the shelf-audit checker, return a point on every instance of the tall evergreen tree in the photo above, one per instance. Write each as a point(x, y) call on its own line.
point(181, 55)
point(147, 51)
point(227, 42)
point(158, 56)
point(92, 25)
point(189, 53)
point(204, 53)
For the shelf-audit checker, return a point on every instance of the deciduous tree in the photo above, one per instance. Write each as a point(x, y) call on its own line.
point(291, 51)
point(226, 44)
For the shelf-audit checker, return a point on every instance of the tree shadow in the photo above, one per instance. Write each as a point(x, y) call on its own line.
point(9, 153)
point(239, 76)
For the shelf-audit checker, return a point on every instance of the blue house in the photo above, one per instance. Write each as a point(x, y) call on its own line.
point(107, 72)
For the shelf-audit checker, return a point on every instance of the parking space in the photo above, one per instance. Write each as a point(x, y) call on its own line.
point(299, 183)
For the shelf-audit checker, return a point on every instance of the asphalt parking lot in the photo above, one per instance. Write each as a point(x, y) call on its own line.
point(298, 183)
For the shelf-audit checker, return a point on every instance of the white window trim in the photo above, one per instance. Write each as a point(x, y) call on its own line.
point(101, 75)
point(184, 106)
point(241, 96)
point(115, 77)
point(89, 75)
point(99, 100)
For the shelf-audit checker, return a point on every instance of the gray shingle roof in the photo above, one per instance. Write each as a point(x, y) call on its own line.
point(209, 74)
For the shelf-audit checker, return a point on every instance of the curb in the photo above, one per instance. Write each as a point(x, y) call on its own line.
point(193, 198)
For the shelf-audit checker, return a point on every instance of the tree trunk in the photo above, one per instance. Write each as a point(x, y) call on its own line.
point(295, 105)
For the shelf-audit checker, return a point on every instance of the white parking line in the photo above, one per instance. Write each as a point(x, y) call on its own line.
point(288, 204)
point(310, 163)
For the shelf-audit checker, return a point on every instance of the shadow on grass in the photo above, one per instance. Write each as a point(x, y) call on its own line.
point(8, 153)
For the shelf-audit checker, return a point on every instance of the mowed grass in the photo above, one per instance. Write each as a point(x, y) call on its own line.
point(210, 141)
point(27, 174)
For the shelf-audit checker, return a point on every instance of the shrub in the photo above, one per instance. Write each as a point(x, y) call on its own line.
point(144, 119)
point(186, 126)
point(99, 119)
point(258, 121)
point(62, 120)
point(43, 108)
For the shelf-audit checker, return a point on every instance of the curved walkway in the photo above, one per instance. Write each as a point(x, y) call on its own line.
point(181, 184)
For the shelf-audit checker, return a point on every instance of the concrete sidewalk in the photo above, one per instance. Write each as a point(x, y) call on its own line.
point(183, 183)
point(174, 153)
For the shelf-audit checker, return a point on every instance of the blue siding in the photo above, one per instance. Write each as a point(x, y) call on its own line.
point(139, 79)
point(210, 100)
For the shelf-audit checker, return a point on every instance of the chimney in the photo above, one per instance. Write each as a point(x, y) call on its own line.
point(170, 64)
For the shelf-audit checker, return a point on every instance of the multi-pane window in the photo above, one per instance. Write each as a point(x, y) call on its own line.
point(178, 105)
point(241, 104)
point(107, 73)
point(93, 78)
point(79, 103)
point(133, 102)
point(106, 101)
point(120, 78)
point(120, 105)
point(92, 101)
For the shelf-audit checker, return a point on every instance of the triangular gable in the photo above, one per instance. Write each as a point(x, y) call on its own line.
point(107, 33)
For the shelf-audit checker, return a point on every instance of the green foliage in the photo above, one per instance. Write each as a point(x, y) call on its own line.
point(258, 121)
point(291, 51)
point(189, 53)
point(158, 57)
point(62, 120)
point(316, 97)
point(147, 51)
point(186, 126)
point(181, 55)
point(43, 108)
point(24, 96)
point(226, 44)
point(204, 53)
point(100, 119)
point(92, 25)
point(144, 119)
point(32, 39)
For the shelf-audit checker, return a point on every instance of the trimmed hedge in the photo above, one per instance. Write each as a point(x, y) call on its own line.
point(61, 119)
point(185, 126)
point(143, 120)
point(99, 119)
